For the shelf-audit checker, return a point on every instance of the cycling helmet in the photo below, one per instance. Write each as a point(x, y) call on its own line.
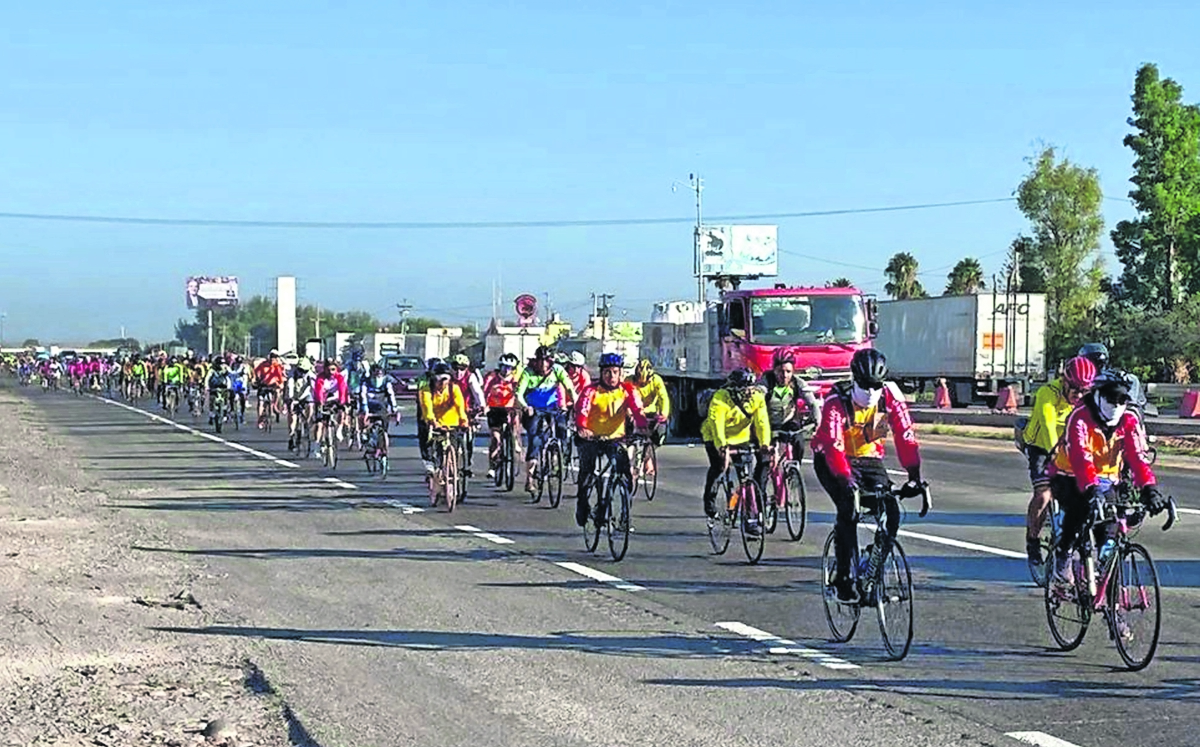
point(577, 359)
point(612, 360)
point(1113, 386)
point(561, 358)
point(740, 378)
point(645, 367)
point(508, 359)
point(432, 362)
point(1097, 353)
point(460, 360)
point(1079, 372)
point(869, 368)
point(376, 369)
point(781, 356)
point(441, 369)
point(543, 353)
point(304, 364)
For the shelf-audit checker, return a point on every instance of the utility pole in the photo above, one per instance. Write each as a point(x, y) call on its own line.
point(210, 331)
point(697, 185)
point(404, 307)
point(316, 320)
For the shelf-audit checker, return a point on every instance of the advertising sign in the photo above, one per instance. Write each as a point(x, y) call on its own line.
point(210, 292)
point(526, 308)
point(745, 251)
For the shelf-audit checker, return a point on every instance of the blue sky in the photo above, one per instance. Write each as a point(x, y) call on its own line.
point(478, 111)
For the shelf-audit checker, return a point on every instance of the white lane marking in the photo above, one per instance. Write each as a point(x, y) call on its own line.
point(600, 576)
point(1188, 511)
point(476, 531)
point(1039, 738)
point(962, 545)
point(340, 483)
point(779, 645)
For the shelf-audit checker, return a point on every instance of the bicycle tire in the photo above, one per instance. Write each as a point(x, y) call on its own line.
point(219, 416)
point(1068, 611)
point(462, 463)
point(619, 516)
point(795, 508)
point(893, 589)
point(383, 467)
point(1134, 586)
point(450, 476)
point(597, 517)
point(1047, 539)
point(551, 470)
point(753, 545)
point(510, 459)
point(269, 411)
point(650, 482)
point(842, 618)
point(721, 526)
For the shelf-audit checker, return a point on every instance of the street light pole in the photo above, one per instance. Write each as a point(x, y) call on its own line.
point(696, 184)
point(3, 316)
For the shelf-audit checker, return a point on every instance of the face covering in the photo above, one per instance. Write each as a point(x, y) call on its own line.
point(1111, 414)
point(864, 398)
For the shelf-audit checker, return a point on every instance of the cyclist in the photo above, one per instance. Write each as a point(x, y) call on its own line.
point(576, 367)
point(500, 395)
point(331, 397)
point(600, 419)
point(848, 453)
point(268, 377)
point(469, 381)
point(137, 374)
point(377, 399)
point(1051, 406)
point(1101, 434)
point(655, 401)
point(172, 377)
point(219, 380)
point(422, 425)
point(544, 388)
point(785, 392)
point(298, 394)
point(239, 372)
point(441, 407)
point(737, 415)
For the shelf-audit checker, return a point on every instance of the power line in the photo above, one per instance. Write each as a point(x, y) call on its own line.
point(425, 225)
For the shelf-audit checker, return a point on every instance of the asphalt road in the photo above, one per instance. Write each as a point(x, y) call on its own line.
point(464, 628)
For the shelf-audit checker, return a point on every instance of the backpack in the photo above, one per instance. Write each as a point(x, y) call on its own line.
point(1019, 433)
point(703, 399)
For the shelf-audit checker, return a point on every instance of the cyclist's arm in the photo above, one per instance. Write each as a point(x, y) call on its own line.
point(718, 414)
point(809, 397)
point(830, 438)
point(761, 424)
point(903, 432)
point(1079, 450)
point(1135, 452)
point(633, 404)
point(460, 405)
point(661, 397)
point(425, 405)
point(476, 386)
point(584, 409)
point(567, 384)
point(391, 395)
point(362, 398)
point(342, 392)
point(522, 387)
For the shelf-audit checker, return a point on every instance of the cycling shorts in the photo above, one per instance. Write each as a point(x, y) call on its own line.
point(496, 417)
point(1039, 461)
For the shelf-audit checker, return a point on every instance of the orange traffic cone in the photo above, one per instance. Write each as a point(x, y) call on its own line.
point(941, 395)
point(1190, 406)
point(1007, 401)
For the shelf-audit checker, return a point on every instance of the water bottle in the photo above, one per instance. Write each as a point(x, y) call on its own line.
point(1107, 550)
point(873, 559)
point(733, 501)
point(864, 561)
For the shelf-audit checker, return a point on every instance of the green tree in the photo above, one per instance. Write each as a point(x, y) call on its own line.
point(901, 272)
point(1062, 202)
point(117, 342)
point(1159, 248)
point(1025, 267)
point(966, 278)
point(840, 283)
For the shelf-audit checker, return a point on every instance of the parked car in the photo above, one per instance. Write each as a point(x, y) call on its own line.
point(405, 370)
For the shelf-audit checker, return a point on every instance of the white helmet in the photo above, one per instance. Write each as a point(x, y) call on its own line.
point(577, 359)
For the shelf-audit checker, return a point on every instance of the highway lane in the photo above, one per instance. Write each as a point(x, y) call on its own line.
point(972, 607)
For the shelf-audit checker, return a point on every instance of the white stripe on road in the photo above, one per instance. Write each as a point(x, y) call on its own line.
point(1188, 511)
point(484, 535)
point(1039, 738)
point(600, 576)
point(340, 483)
point(780, 646)
point(962, 545)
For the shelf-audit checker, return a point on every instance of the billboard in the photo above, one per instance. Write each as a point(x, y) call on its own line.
point(210, 292)
point(748, 251)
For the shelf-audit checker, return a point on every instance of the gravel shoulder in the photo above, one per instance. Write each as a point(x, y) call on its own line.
point(80, 660)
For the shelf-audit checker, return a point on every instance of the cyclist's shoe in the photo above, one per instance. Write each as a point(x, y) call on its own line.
point(582, 512)
point(491, 474)
point(711, 521)
point(1122, 628)
point(846, 593)
point(1033, 551)
point(291, 443)
point(1064, 576)
point(468, 472)
point(753, 527)
point(429, 468)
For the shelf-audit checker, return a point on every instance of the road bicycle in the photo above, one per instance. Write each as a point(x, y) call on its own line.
point(447, 448)
point(786, 491)
point(881, 578)
point(1120, 583)
point(300, 428)
point(611, 512)
point(549, 471)
point(329, 416)
point(506, 466)
point(375, 445)
point(644, 460)
point(171, 399)
point(220, 408)
point(740, 505)
point(266, 408)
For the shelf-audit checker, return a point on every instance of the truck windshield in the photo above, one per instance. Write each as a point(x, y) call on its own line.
point(797, 320)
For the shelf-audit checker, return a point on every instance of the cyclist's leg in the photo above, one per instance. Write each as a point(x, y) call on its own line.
point(1074, 507)
point(1035, 516)
point(537, 437)
point(587, 466)
point(716, 465)
point(845, 526)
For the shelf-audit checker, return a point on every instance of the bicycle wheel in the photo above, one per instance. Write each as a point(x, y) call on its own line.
point(894, 602)
point(330, 452)
point(752, 542)
point(720, 526)
point(1068, 610)
point(1133, 606)
point(219, 415)
point(597, 517)
point(552, 472)
point(461, 465)
point(1047, 539)
point(510, 459)
point(795, 507)
point(267, 414)
point(620, 498)
point(842, 618)
point(649, 481)
point(450, 469)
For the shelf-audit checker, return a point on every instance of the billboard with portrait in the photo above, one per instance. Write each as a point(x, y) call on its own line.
point(747, 251)
point(211, 291)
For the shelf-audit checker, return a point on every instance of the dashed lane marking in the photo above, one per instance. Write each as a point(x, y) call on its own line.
point(600, 576)
point(476, 531)
point(949, 542)
point(340, 483)
point(782, 646)
point(1039, 738)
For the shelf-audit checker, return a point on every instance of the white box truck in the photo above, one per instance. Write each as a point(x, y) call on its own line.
point(977, 343)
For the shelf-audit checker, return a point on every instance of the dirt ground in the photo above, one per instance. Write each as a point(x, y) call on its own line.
point(80, 663)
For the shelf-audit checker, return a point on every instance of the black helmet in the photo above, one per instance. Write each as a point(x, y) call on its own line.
point(1096, 352)
point(1113, 386)
point(869, 368)
point(740, 378)
point(441, 368)
point(544, 352)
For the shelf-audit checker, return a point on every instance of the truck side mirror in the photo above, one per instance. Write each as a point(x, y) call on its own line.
point(872, 329)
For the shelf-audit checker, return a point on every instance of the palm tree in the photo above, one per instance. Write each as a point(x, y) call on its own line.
point(966, 278)
point(901, 272)
point(839, 283)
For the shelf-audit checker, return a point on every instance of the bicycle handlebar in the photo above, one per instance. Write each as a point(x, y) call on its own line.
point(926, 499)
point(1172, 514)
